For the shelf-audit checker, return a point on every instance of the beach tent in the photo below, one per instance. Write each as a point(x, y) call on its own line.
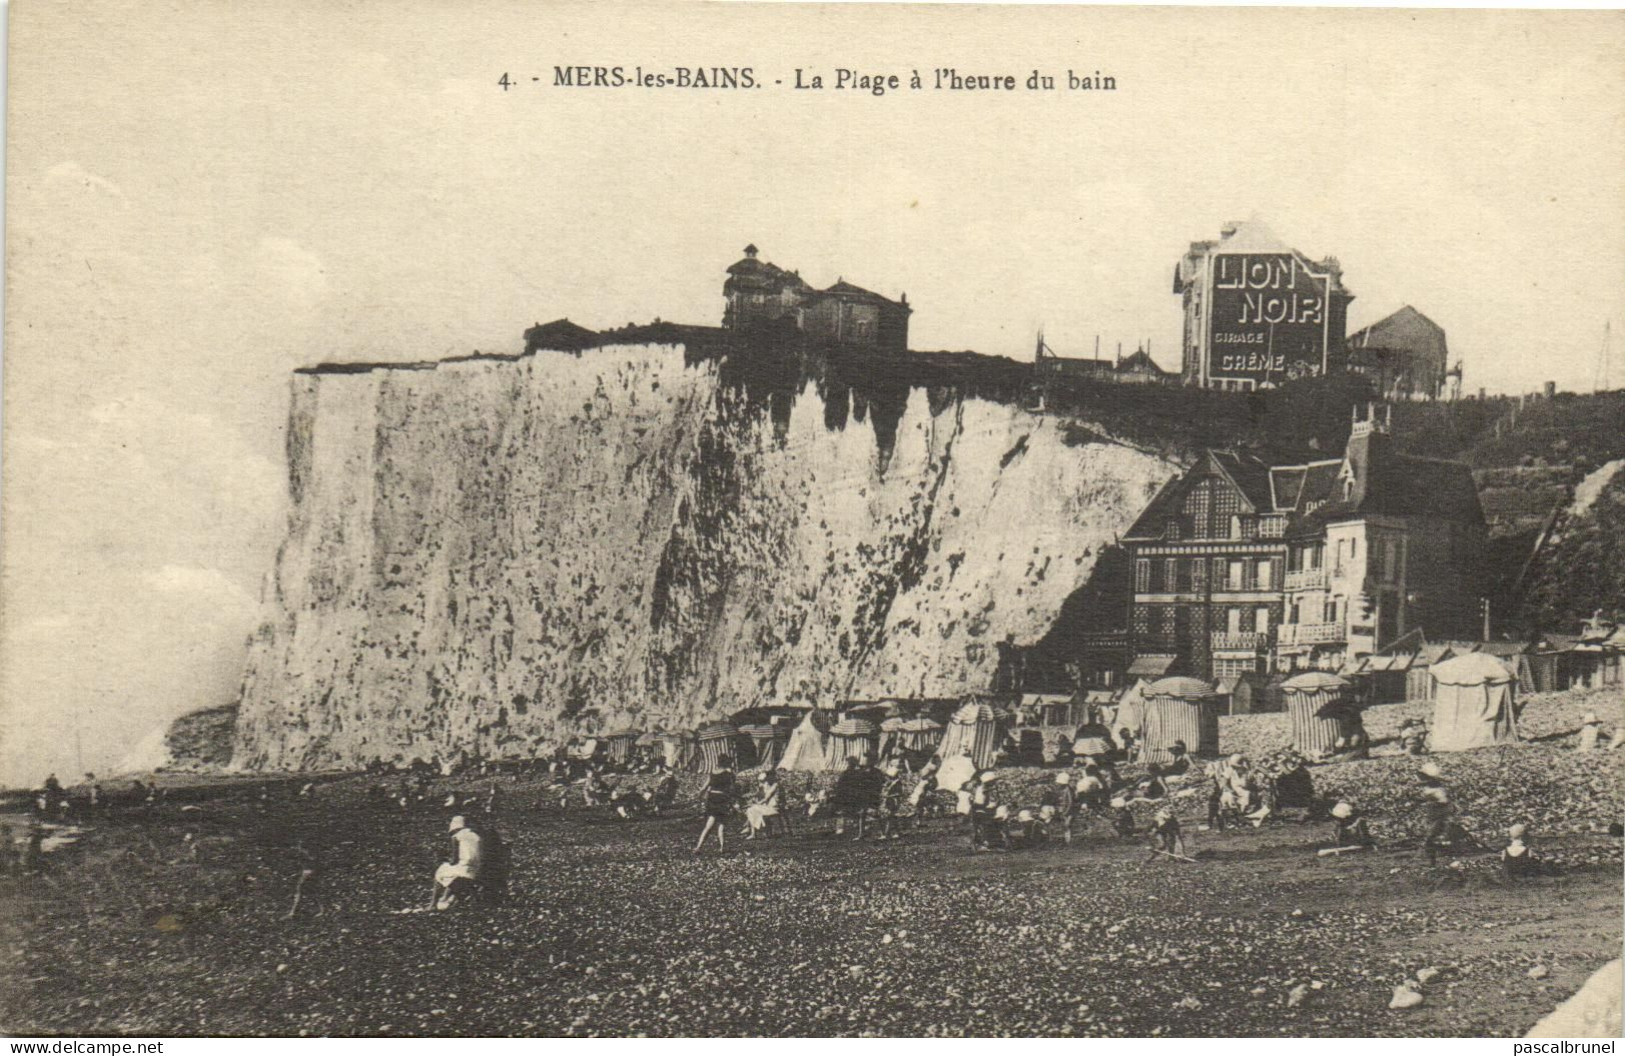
point(764, 742)
point(808, 748)
point(1475, 703)
point(675, 749)
point(973, 731)
point(911, 735)
point(1178, 709)
point(714, 741)
point(853, 737)
point(618, 746)
point(1321, 708)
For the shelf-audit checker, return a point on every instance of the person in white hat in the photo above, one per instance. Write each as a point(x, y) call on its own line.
point(1122, 817)
point(1351, 828)
point(453, 879)
point(1517, 861)
point(1436, 809)
point(1590, 732)
point(1060, 803)
point(1165, 835)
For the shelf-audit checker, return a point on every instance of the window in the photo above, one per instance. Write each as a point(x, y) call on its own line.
point(1172, 530)
point(1237, 576)
point(1265, 579)
point(1235, 526)
point(1233, 620)
point(1142, 576)
point(1261, 619)
point(1198, 575)
point(1170, 575)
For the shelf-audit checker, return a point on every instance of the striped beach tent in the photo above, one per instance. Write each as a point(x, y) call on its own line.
point(853, 737)
point(973, 731)
point(808, 748)
point(1321, 708)
point(1178, 709)
point(910, 734)
point(714, 741)
point(618, 746)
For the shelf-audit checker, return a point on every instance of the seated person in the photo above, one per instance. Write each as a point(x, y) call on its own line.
point(1151, 786)
point(664, 793)
point(1518, 861)
point(1165, 835)
point(1122, 817)
point(1022, 832)
point(1351, 830)
point(1092, 792)
point(1181, 762)
point(1295, 787)
point(766, 807)
point(455, 880)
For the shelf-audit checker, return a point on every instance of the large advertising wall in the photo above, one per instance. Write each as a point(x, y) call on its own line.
point(1269, 318)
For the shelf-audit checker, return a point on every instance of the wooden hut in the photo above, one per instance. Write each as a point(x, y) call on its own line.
point(1321, 708)
point(1178, 709)
point(973, 731)
point(853, 738)
point(1475, 703)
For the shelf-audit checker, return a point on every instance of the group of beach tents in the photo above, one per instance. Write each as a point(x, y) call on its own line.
point(1474, 706)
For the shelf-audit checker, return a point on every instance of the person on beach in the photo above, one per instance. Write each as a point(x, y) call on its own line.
point(1590, 732)
point(1436, 810)
point(454, 880)
point(760, 813)
point(1165, 835)
point(718, 803)
point(1517, 861)
point(1059, 805)
point(1350, 829)
point(892, 798)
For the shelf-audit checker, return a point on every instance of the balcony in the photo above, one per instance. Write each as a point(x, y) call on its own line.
point(1306, 579)
point(1244, 641)
point(1310, 633)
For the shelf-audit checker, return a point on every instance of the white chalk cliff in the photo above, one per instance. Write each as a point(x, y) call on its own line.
point(486, 557)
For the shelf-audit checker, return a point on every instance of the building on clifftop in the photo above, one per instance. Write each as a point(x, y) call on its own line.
point(761, 296)
point(1258, 312)
point(1405, 356)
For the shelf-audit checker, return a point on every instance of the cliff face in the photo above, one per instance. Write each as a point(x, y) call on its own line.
point(489, 556)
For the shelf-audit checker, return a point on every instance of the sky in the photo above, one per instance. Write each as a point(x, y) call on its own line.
point(203, 197)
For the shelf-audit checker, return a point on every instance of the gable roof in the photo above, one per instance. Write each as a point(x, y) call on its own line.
point(1246, 473)
point(560, 335)
point(1405, 330)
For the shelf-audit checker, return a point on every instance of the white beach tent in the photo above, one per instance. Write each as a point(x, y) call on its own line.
point(809, 747)
point(1475, 703)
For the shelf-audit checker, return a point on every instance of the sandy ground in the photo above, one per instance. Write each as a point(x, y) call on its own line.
point(177, 925)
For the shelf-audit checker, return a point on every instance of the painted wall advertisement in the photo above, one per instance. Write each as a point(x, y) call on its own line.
point(1269, 318)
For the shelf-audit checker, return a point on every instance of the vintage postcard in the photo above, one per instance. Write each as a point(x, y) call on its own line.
point(796, 520)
